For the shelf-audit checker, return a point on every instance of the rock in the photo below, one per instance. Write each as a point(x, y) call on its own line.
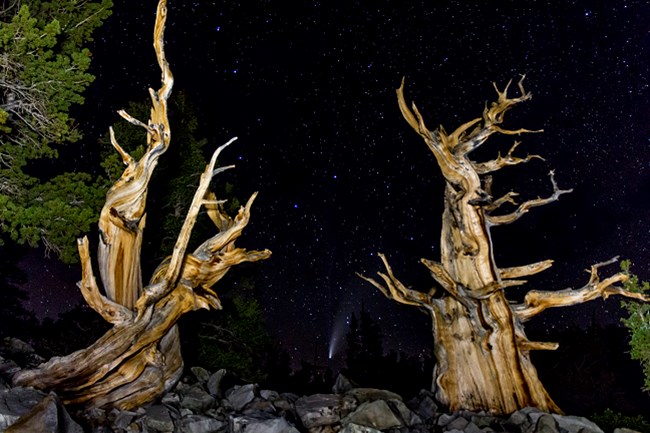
point(269, 395)
point(546, 424)
point(16, 402)
point(159, 419)
point(376, 414)
point(247, 424)
point(218, 383)
point(624, 430)
point(123, 418)
point(576, 424)
point(196, 400)
point(424, 405)
point(341, 385)
point(408, 417)
point(240, 396)
point(48, 416)
point(355, 428)
point(7, 369)
point(445, 419)
point(200, 424)
point(322, 409)
point(457, 424)
point(370, 394)
point(258, 405)
point(201, 374)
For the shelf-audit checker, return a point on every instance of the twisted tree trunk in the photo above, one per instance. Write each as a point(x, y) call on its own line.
point(139, 359)
point(481, 349)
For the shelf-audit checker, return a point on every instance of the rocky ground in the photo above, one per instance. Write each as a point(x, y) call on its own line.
point(205, 402)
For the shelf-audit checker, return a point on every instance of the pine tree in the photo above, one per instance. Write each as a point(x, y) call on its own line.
point(638, 322)
point(43, 73)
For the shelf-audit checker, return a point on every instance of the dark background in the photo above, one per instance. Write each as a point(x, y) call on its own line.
point(308, 87)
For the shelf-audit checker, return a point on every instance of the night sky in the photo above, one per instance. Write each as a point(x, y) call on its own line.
point(308, 87)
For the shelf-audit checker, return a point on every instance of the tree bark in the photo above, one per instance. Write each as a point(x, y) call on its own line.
point(139, 359)
point(481, 349)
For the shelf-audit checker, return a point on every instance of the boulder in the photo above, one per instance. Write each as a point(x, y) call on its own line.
point(363, 395)
point(200, 424)
point(322, 409)
point(159, 419)
point(407, 417)
point(201, 374)
point(16, 402)
point(546, 424)
point(240, 396)
point(376, 414)
point(341, 385)
point(247, 424)
point(48, 416)
point(576, 424)
point(355, 428)
point(196, 400)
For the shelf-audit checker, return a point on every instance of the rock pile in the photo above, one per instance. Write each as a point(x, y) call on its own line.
point(213, 403)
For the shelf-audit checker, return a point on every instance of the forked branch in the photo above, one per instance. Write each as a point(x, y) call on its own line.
point(394, 289)
point(537, 301)
point(526, 206)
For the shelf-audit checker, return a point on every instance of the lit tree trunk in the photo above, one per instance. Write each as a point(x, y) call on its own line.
point(481, 349)
point(139, 359)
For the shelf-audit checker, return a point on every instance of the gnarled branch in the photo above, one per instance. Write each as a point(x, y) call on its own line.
point(394, 289)
point(525, 270)
point(500, 162)
point(537, 301)
point(526, 206)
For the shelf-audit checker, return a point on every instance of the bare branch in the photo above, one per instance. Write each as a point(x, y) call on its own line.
point(111, 311)
point(154, 292)
point(500, 162)
point(537, 301)
point(527, 345)
point(525, 207)
point(397, 291)
point(522, 271)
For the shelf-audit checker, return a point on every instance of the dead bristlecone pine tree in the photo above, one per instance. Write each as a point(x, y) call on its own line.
point(482, 352)
point(139, 359)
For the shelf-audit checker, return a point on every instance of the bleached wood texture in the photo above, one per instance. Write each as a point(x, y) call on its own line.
point(481, 349)
point(139, 359)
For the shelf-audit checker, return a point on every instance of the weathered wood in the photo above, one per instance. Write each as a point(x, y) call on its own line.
point(139, 359)
point(481, 349)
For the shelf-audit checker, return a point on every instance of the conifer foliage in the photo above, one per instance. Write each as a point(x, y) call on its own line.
point(44, 63)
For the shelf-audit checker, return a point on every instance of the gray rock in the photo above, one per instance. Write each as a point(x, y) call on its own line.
point(517, 420)
point(624, 430)
point(240, 396)
point(546, 424)
point(286, 402)
point(321, 409)
point(457, 424)
point(123, 418)
point(444, 419)
point(376, 414)
point(269, 395)
point(576, 424)
point(408, 417)
point(258, 405)
point(425, 407)
point(16, 402)
point(472, 428)
point(355, 428)
point(159, 419)
point(196, 400)
point(200, 424)
point(246, 424)
point(201, 374)
point(370, 394)
point(214, 383)
point(48, 416)
point(341, 385)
